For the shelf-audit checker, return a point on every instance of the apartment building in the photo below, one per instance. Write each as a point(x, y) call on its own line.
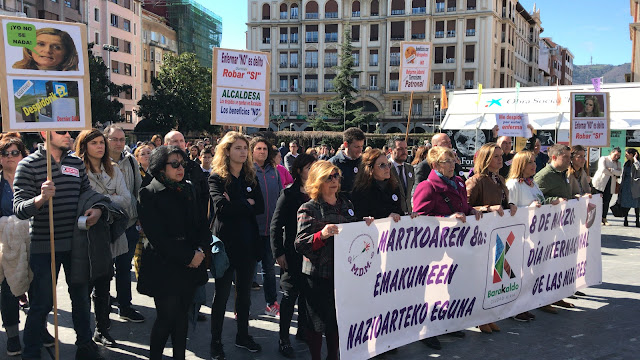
point(60, 10)
point(558, 63)
point(119, 23)
point(492, 42)
point(634, 34)
point(158, 39)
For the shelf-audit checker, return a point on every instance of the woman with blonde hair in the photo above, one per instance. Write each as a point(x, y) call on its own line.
point(317, 221)
point(54, 50)
point(237, 199)
point(486, 191)
point(106, 179)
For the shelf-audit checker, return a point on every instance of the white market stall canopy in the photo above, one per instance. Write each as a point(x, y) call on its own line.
point(540, 104)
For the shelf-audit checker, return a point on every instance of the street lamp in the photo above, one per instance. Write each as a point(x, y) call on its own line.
point(344, 113)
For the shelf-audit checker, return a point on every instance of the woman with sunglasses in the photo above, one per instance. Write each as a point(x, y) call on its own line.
point(375, 192)
point(106, 179)
point(317, 221)
point(12, 150)
point(172, 264)
point(237, 199)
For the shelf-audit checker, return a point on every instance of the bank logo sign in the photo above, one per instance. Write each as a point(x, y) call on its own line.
point(505, 259)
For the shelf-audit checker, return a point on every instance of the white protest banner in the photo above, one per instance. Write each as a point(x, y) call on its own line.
point(513, 125)
point(590, 120)
point(240, 88)
point(414, 66)
point(400, 282)
point(45, 75)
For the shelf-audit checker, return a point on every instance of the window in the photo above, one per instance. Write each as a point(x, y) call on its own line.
point(451, 28)
point(393, 81)
point(396, 107)
point(294, 35)
point(97, 38)
point(328, 82)
point(127, 47)
point(126, 94)
point(294, 60)
point(439, 55)
point(293, 107)
point(145, 76)
point(471, 4)
point(283, 83)
point(471, 27)
point(373, 36)
point(283, 59)
point(114, 41)
point(417, 108)
point(128, 115)
point(397, 30)
point(283, 11)
point(266, 12)
point(283, 35)
point(355, 33)
point(449, 80)
point(437, 80)
point(114, 20)
point(283, 106)
point(439, 6)
point(311, 106)
point(356, 57)
point(293, 86)
point(152, 53)
point(311, 59)
point(127, 69)
point(394, 56)
point(355, 9)
point(67, 3)
point(373, 81)
point(330, 58)
point(468, 80)
point(355, 81)
point(271, 107)
point(469, 56)
point(375, 8)
point(451, 54)
point(126, 25)
point(115, 67)
point(294, 11)
point(331, 33)
point(311, 35)
point(96, 14)
point(373, 57)
point(266, 35)
point(451, 5)
point(144, 54)
point(439, 29)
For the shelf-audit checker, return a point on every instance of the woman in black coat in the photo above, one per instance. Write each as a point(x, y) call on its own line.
point(376, 192)
point(284, 226)
point(237, 199)
point(171, 267)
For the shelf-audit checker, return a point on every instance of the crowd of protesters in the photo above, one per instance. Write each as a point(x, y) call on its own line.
point(174, 207)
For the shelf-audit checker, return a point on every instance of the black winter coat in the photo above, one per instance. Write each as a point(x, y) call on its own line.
point(234, 221)
point(284, 226)
point(176, 228)
point(377, 201)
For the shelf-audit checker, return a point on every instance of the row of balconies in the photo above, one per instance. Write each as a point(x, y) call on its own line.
point(393, 86)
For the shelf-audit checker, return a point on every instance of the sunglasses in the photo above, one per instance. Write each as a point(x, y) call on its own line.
point(13, 153)
point(73, 134)
point(177, 164)
point(333, 176)
point(385, 166)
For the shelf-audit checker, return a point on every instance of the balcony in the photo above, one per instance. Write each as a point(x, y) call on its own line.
point(439, 7)
point(283, 89)
point(373, 63)
point(293, 64)
point(331, 37)
point(450, 60)
point(393, 87)
point(416, 112)
point(311, 37)
point(294, 16)
point(373, 13)
point(471, 7)
point(469, 60)
point(436, 86)
point(471, 32)
point(283, 15)
point(311, 89)
point(355, 14)
point(417, 36)
point(311, 15)
point(330, 63)
point(396, 113)
point(397, 12)
point(449, 86)
point(394, 59)
point(373, 87)
point(468, 84)
point(419, 10)
point(283, 40)
point(283, 65)
point(266, 41)
point(329, 88)
point(311, 64)
point(293, 113)
point(293, 39)
point(397, 37)
point(451, 33)
point(439, 34)
point(331, 15)
point(451, 9)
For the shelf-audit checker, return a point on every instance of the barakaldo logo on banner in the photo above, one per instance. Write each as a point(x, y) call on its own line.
point(505, 258)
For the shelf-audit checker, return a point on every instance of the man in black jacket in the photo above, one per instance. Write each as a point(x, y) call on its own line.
point(348, 160)
point(423, 169)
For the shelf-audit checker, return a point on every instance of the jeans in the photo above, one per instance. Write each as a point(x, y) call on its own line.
point(268, 267)
point(41, 301)
point(606, 198)
point(123, 268)
point(171, 320)
point(243, 270)
point(9, 307)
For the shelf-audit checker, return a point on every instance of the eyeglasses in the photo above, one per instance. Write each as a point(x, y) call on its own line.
point(449, 162)
point(12, 153)
point(385, 166)
point(116, 139)
point(177, 164)
point(333, 176)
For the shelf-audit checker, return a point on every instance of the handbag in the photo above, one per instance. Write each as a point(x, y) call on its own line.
point(618, 211)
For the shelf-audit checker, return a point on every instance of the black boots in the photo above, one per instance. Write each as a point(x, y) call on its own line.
point(102, 308)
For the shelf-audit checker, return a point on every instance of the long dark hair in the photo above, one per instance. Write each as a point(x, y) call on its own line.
point(632, 152)
point(81, 150)
point(364, 179)
point(299, 163)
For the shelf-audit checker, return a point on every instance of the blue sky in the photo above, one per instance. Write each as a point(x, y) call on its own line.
point(598, 28)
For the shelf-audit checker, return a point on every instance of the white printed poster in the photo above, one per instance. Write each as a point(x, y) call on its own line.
point(397, 283)
point(240, 88)
point(414, 66)
point(514, 125)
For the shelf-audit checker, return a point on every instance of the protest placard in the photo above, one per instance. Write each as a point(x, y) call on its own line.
point(590, 119)
point(414, 66)
point(240, 88)
point(45, 75)
point(513, 125)
point(400, 282)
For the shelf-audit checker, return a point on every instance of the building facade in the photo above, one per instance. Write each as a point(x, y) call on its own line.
point(158, 39)
point(198, 29)
point(634, 34)
point(67, 10)
point(119, 23)
point(558, 63)
point(490, 42)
